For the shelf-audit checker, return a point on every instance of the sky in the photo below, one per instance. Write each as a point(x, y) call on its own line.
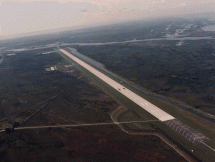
point(24, 16)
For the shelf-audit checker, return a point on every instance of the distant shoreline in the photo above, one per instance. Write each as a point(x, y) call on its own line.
point(209, 28)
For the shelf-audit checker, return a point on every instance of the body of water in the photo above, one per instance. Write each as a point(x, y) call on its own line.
point(209, 28)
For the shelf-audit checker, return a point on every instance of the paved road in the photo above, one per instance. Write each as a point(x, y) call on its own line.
point(81, 125)
point(162, 137)
point(182, 153)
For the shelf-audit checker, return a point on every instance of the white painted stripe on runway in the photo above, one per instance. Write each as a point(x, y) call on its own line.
point(152, 109)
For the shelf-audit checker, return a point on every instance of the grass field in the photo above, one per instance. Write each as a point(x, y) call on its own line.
point(79, 102)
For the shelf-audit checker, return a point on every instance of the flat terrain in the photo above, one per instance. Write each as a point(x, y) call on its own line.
point(184, 73)
point(43, 91)
point(36, 97)
point(161, 126)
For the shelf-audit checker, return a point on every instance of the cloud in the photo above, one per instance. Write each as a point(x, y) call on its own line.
point(182, 5)
point(27, 17)
point(30, 15)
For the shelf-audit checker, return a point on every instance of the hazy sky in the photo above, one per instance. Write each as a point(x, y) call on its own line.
point(23, 16)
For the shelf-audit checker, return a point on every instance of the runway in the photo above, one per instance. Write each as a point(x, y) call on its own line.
point(149, 107)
